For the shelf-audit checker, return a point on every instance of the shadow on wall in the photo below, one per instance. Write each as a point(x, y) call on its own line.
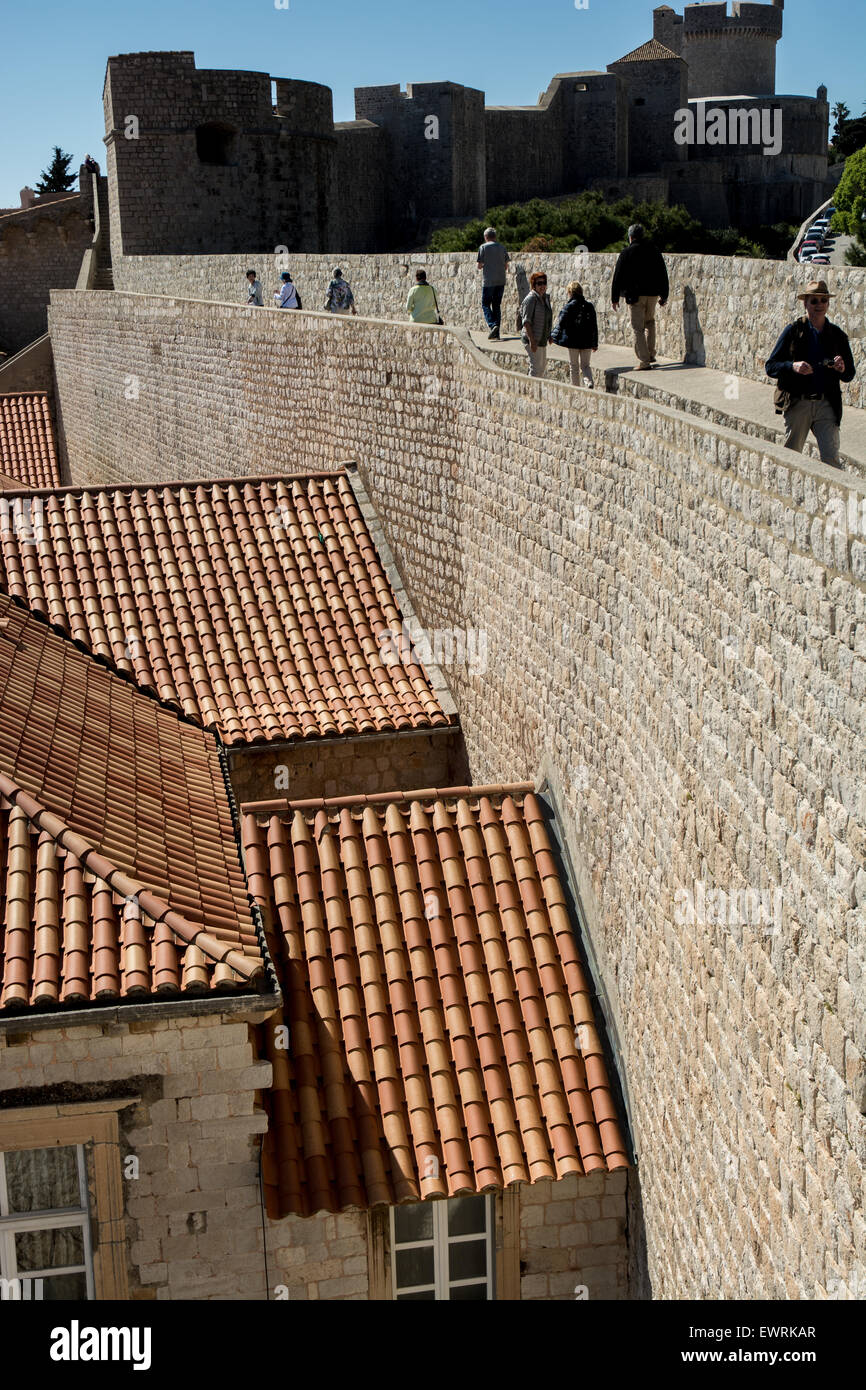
point(639, 1282)
point(693, 334)
point(521, 280)
point(563, 846)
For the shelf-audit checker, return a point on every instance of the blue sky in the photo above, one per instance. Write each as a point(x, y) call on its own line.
point(53, 55)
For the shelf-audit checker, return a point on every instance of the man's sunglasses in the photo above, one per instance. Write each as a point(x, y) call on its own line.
point(819, 301)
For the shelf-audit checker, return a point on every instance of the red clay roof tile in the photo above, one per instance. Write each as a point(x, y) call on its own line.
point(28, 457)
point(256, 607)
point(433, 994)
point(119, 872)
point(651, 51)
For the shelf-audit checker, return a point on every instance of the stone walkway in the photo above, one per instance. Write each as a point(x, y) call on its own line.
point(736, 402)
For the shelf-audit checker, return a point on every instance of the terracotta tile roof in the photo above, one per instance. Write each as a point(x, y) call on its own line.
point(119, 870)
point(28, 457)
point(440, 1024)
point(254, 606)
point(647, 52)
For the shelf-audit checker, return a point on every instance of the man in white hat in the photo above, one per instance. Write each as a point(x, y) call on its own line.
point(808, 362)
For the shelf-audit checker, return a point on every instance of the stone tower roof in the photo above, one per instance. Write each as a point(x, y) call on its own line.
point(648, 51)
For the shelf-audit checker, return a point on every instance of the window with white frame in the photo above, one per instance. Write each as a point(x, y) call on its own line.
point(45, 1247)
point(443, 1250)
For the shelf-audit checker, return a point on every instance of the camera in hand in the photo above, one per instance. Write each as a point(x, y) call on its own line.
point(827, 362)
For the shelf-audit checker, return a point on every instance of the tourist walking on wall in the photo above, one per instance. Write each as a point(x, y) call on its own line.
point(641, 279)
point(577, 329)
point(422, 305)
point(808, 362)
point(287, 297)
point(254, 289)
point(492, 262)
point(339, 298)
point(536, 315)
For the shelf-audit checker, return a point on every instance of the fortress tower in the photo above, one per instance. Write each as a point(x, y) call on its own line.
point(201, 160)
point(727, 54)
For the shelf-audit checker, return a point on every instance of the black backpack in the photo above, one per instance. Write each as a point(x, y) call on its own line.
point(575, 318)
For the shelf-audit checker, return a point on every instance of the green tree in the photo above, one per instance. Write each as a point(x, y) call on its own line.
point(856, 252)
point(852, 137)
point(841, 114)
point(57, 178)
point(850, 199)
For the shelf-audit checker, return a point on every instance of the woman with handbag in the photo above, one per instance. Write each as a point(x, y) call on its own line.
point(422, 305)
point(287, 297)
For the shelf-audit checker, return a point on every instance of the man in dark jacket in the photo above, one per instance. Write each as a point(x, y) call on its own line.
point(808, 362)
point(641, 279)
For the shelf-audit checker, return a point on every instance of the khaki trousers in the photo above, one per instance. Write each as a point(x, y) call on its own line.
point(643, 321)
point(537, 359)
point(581, 371)
point(817, 416)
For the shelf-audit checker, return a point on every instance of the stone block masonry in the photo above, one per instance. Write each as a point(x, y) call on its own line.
point(573, 1239)
point(348, 766)
point(724, 312)
point(320, 1257)
point(191, 1204)
point(675, 623)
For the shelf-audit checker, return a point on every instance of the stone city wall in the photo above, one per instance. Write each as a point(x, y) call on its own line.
point(675, 631)
point(724, 312)
point(40, 249)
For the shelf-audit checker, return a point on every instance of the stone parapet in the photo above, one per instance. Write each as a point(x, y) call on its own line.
point(724, 312)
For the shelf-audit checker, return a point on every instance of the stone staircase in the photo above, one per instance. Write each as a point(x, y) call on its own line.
point(104, 279)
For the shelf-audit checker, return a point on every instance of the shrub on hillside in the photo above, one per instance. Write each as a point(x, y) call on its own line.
point(589, 220)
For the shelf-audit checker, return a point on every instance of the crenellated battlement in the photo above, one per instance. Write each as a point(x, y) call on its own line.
point(728, 54)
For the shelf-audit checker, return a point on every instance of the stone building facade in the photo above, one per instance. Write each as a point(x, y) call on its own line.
point(202, 160)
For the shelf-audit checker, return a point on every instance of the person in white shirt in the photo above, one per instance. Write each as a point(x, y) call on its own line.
point(254, 293)
point(286, 297)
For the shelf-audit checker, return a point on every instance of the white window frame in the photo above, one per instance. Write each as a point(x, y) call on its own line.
point(13, 1224)
point(95, 1126)
point(441, 1241)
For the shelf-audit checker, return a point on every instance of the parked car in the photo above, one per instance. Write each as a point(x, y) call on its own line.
point(820, 260)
